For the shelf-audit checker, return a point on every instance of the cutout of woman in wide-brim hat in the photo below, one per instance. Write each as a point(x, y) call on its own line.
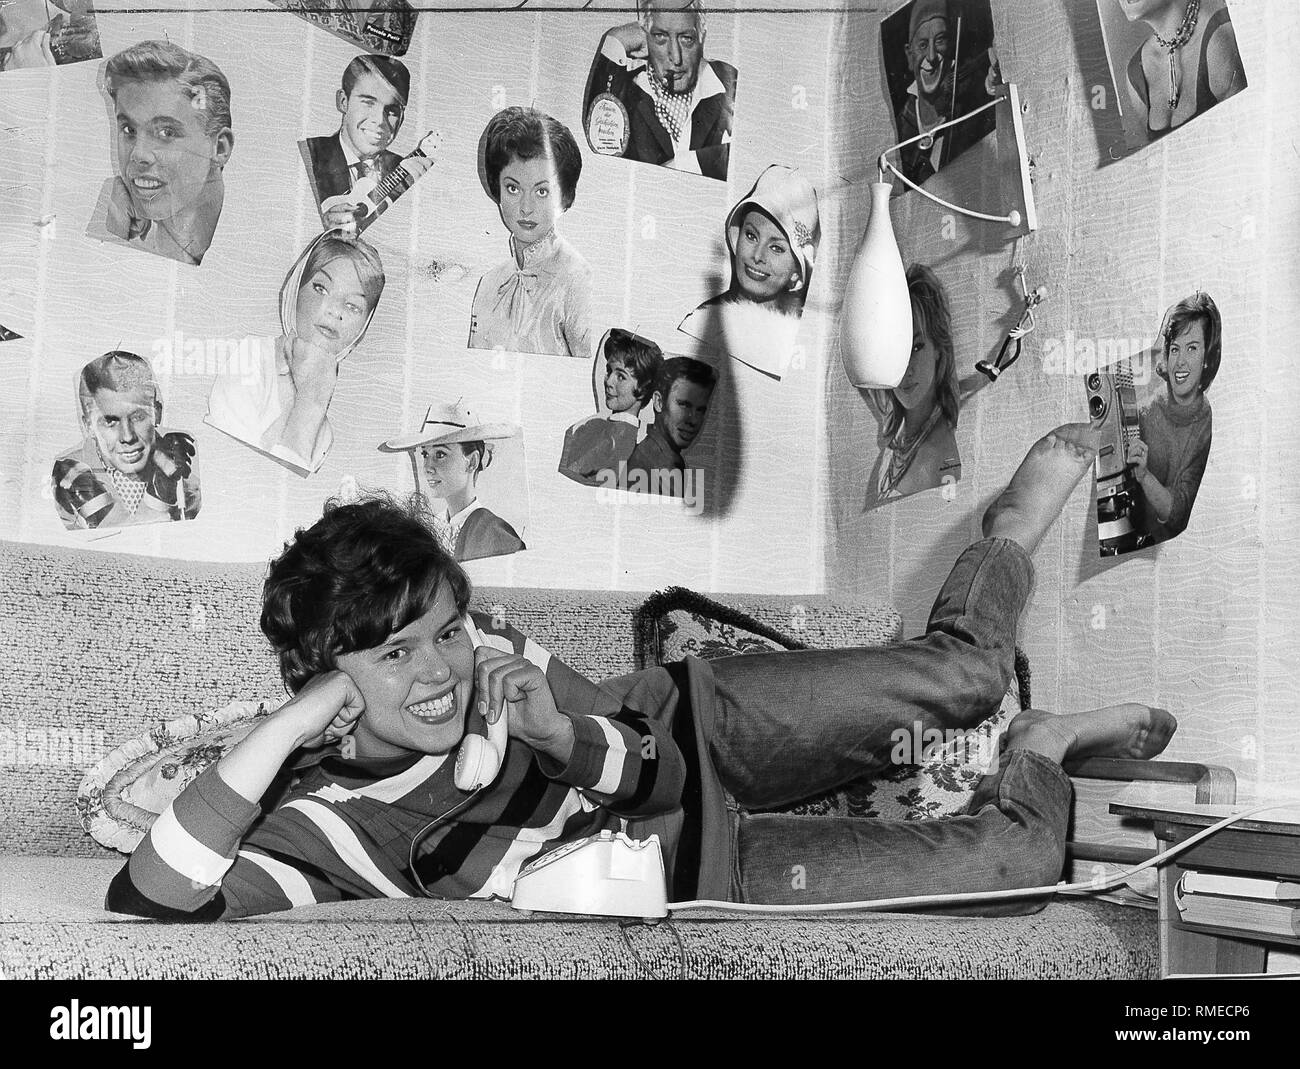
point(456, 449)
point(772, 238)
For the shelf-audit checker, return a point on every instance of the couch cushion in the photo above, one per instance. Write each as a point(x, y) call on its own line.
point(55, 929)
point(124, 794)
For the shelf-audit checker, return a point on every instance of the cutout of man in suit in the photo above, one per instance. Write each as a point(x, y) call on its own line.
point(653, 97)
point(372, 103)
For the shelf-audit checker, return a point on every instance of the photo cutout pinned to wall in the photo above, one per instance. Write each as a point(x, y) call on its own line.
point(276, 396)
point(598, 448)
point(918, 417)
point(940, 63)
point(385, 26)
point(772, 238)
point(47, 33)
point(128, 467)
point(353, 173)
point(656, 95)
point(539, 300)
point(1156, 429)
point(472, 474)
point(678, 411)
point(172, 137)
point(1170, 61)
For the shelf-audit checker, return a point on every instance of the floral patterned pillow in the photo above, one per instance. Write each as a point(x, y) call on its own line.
point(938, 782)
point(120, 797)
point(677, 623)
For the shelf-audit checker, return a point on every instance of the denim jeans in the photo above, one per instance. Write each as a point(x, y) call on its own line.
point(791, 725)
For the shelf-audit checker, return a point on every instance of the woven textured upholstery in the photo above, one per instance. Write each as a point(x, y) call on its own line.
point(99, 646)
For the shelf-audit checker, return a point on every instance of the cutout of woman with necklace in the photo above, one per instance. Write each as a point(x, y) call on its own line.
point(1189, 63)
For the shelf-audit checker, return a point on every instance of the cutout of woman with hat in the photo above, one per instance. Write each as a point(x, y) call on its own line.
point(454, 446)
point(772, 238)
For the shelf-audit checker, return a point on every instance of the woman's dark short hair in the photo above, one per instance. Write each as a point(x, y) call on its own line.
point(359, 573)
point(483, 450)
point(528, 133)
point(642, 357)
point(1186, 312)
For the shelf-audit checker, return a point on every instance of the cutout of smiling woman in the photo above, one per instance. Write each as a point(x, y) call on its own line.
point(772, 238)
point(539, 301)
point(275, 396)
point(173, 139)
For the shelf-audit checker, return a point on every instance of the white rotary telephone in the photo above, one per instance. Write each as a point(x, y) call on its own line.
point(479, 759)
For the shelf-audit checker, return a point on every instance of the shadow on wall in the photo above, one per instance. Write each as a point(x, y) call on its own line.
point(723, 439)
point(1090, 48)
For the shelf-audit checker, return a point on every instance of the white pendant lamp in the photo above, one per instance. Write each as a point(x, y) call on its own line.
point(876, 324)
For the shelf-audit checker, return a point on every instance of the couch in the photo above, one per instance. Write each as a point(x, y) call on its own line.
point(99, 646)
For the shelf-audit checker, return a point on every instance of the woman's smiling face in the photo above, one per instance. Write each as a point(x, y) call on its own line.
point(1185, 361)
point(620, 386)
point(416, 685)
point(764, 264)
point(332, 306)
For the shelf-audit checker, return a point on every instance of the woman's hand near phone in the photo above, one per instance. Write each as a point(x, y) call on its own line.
point(324, 710)
point(502, 679)
point(1137, 456)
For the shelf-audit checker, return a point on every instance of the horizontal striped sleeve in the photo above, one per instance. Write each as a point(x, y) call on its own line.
point(611, 769)
point(619, 762)
point(191, 846)
point(290, 882)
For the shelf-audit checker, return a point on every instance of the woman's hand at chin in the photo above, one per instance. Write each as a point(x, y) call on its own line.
point(312, 368)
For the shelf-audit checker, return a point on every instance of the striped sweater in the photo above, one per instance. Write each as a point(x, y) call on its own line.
point(345, 830)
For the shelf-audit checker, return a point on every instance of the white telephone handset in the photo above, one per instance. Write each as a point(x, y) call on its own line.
point(479, 760)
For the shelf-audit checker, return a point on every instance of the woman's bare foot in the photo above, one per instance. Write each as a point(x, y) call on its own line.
point(1041, 485)
point(1130, 730)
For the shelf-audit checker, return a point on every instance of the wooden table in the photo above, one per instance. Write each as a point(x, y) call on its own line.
point(1266, 845)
